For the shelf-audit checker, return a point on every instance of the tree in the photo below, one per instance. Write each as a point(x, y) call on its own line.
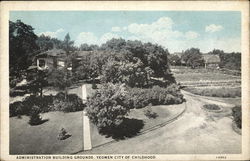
point(105, 108)
point(62, 78)
point(37, 81)
point(23, 47)
point(47, 43)
point(193, 57)
point(132, 74)
point(174, 60)
point(152, 56)
point(67, 44)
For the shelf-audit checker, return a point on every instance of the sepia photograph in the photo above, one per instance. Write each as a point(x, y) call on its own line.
point(96, 83)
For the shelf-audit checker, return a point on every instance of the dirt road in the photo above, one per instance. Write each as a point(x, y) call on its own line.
point(196, 132)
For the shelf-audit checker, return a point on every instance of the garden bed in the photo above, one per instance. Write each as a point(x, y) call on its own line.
point(212, 108)
point(216, 92)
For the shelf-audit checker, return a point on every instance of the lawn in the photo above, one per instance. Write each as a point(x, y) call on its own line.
point(42, 139)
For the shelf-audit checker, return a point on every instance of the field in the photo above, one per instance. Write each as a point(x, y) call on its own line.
point(209, 82)
point(183, 74)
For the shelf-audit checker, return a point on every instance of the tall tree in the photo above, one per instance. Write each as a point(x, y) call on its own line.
point(193, 57)
point(22, 42)
point(46, 43)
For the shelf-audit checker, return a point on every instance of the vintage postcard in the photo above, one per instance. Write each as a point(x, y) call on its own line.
point(127, 80)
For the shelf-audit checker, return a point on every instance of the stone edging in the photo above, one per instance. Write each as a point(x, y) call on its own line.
point(175, 117)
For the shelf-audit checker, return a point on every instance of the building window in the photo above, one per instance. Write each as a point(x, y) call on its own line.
point(41, 63)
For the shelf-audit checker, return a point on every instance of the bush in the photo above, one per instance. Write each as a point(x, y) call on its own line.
point(212, 107)
point(139, 97)
point(35, 118)
point(149, 113)
point(71, 104)
point(216, 92)
point(105, 108)
point(46, 104)
point(94, 86)
point(16, 109)
point(237, 115)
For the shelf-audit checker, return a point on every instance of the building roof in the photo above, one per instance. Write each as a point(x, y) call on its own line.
point(82, 53)
point(211, 58)
point(52, 53)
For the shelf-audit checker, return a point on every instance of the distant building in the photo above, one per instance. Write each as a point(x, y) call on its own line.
point(56, 58)
point(211, 61)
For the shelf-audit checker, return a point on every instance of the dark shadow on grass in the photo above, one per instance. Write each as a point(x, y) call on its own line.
point(127, 129)
point(39, 123)
point(65, 137)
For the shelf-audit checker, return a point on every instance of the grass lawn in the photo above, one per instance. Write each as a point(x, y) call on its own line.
point(42, 139)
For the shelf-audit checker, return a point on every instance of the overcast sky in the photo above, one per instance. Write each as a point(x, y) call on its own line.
point(174, 30)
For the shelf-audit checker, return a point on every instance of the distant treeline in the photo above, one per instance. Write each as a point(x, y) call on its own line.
point(194, 58)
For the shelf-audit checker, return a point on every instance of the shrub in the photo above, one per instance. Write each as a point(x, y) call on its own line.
point(216, 92)
point(105, 108)
point(139, 97)
point(149, 113)
point(71, 104)
point(35, 118)
point(237, 115)
point(211, 107)
point(94, 86)
point(16, 109)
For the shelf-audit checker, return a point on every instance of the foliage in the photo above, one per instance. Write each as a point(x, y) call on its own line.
point(174, 59)
point(105, 108)
point(47, 43)
point(237, 115)
point(22, 42)
point(86, 47)
point(216, 92)
point(230, 61)
point(149, 113)
point(61, 78)
point(72, 104)
point(37, 80)
point(35, 118)
point(193, 57)
point(46, 104)
point(139, 97)
point(131, 73)
point(211, 107)
point(152, 56)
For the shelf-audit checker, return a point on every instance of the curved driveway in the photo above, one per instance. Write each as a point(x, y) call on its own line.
point(196, 132)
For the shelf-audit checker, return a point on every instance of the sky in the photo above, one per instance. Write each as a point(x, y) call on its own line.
point(174, 30)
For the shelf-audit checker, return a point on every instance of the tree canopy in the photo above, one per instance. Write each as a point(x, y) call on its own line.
point(193, 57)
point(22, 42)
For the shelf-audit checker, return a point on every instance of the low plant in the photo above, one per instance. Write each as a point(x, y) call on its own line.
point(141, 97)
point(211, 107)
point(35, 118)
point(237, 115)
point(149, 113)
point(216, 92)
